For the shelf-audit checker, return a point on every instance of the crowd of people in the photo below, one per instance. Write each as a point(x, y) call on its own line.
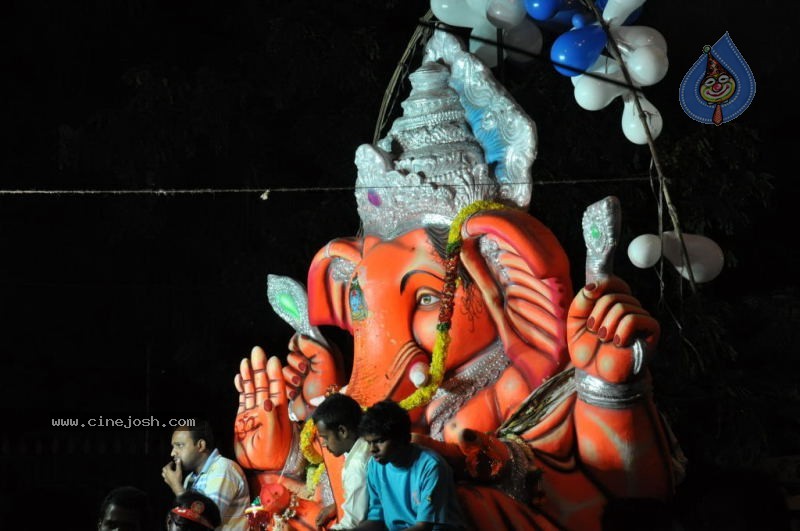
point(211, 491)
point(389, 483)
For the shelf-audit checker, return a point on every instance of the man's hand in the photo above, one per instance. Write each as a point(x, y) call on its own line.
point(325, 515)
point(173, 476)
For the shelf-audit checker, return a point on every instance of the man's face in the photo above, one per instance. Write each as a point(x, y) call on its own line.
point(119, 519)
point(185, 449)
point(336, 440)
point(381, 448)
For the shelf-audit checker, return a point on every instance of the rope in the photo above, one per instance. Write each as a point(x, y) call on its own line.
point(265, 193)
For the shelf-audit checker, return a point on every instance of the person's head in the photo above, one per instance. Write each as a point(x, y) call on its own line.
point(193, 511)
point(386, 427)
point(336, 419)
point(124, 509)
point(192, 445)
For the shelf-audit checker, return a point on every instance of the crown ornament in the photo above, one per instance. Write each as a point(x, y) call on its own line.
point(461, 139)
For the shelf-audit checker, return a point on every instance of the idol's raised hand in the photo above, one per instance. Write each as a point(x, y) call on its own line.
point(604, 325)
point(311, 371)
point(263, 431)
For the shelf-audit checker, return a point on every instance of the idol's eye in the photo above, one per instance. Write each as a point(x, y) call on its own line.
point(708, 82)
point(426, 298)
point(723, 78)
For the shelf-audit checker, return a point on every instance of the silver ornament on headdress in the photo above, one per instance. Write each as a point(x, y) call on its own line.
point(461, 139)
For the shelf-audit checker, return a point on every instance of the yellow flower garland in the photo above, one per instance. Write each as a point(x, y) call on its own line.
point(315, 467)
point(424, 394)
point(313, 476)
point(306, 446)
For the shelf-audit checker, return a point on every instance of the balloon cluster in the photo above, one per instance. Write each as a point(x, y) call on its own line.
point(642, 49)
point(486, 17)
point(584, 48)
point(705, 256)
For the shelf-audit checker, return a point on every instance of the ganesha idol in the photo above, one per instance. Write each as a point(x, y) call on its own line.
point(461, 309)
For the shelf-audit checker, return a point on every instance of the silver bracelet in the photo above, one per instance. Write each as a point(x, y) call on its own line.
point(295, 464)
point(597, 392)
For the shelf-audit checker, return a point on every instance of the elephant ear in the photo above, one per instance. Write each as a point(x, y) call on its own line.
point(329, 280)
point(524, 274)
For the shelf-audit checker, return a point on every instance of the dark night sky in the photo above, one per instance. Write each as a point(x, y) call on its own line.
point(132, 305)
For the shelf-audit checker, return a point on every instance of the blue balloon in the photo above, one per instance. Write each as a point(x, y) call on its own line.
point(580, 20)
point(544, 9)
point(561, 21)
point(554, 15)
point(578, 48)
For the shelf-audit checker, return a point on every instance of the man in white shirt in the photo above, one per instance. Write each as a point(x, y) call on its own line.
point(336, 419)
point(197, 464)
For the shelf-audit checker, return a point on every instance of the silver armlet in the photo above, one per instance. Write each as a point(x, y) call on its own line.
point(295, 464)
point(594, 391)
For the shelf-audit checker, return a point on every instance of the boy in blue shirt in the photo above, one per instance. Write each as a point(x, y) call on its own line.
point(410, 487)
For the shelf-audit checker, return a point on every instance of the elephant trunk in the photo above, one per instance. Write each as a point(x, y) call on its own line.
point(381, 371)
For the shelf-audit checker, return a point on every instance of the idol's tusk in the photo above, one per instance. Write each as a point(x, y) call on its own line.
point(419, 374)
point(317, 400)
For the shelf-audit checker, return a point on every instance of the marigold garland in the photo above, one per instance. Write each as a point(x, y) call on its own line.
point(315, 467)
point(313, 476)
point(306, 444)
point(424, 394)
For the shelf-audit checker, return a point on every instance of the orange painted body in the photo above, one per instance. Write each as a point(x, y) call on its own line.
point(516, 294)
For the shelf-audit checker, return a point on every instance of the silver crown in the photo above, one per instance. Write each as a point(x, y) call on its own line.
point(461, 139)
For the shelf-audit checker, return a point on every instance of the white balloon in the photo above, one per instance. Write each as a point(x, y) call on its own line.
point(645, 250)
point(705, 256)
point(593, 93)
point(647, 65)
point(505, 14)
point(616, 11)
point(636, 36)
point(632, 125)
point(603, 65)
point(484, 51)
point(456, 13)
point(526, 36)
point(478, 6)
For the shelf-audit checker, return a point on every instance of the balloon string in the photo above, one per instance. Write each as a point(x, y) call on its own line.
point(673, 213)
point(421, 33)
point(501, 73)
